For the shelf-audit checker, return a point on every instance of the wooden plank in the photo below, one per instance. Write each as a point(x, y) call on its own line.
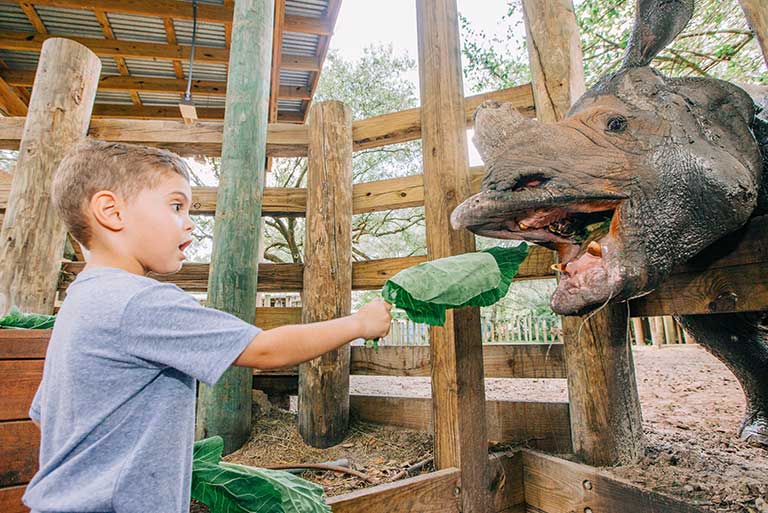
point(506, 486)
point(500, 361)
point(271, 317)
point(10, 500)
point(436, 492)
point(405, 125)
point(19, 380)
point(33, 42)
point(10, 102)
point(283, 139)
point(277, 45)
point(278, 201)
point(729, 276)
point(33, 234)
point(108, 110)
point(544, 425)
point(555, 485)
point(171, 8)
point(23, 344)
point(323, 417)
point(457, 358)
point(307, 25)
point(372, 274)
point(18, 459)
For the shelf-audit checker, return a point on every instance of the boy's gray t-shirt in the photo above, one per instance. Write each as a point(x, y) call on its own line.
point(117, 399)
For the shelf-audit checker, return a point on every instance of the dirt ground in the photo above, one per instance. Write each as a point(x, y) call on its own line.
point(692, 406)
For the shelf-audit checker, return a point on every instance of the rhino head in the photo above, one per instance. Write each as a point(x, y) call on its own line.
point(642, 174)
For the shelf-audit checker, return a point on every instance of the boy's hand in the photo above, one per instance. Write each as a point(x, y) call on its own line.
point(374, 319)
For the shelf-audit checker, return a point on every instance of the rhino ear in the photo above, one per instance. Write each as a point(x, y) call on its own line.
point(657, 23)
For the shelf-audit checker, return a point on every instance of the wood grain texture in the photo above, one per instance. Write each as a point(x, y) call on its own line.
point(33, 234)
point(757, 17)
point(19, 380)
point(23, 344)
point(327, 294)
point(506, 488)
point(554, 485)
point(172, 8)
point(20, 440)
point(10, 500)
point(428, 493)
point(457, 360)
point(225, 409)
point(539, 424)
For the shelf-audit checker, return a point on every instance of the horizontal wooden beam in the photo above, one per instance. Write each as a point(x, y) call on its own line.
point(428, 493)
point(283, 139)
point(545, 426)
point(294, 93)
point(555, 485)
point(33, 42)
point(20, 440)
point(729, 276)
point(158, 8)
point(307, 25)
point(403, 126)
point(10, 499)
point(145, 112)
point(19, 380)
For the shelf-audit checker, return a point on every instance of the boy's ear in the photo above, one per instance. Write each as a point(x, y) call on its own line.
point(106, 208)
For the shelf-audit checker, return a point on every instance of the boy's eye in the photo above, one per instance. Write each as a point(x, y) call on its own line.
point(177, 207)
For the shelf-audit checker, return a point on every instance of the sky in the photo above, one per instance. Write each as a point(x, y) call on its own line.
point(365, 22)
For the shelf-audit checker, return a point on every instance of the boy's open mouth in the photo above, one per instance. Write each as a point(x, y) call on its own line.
point(184, 245)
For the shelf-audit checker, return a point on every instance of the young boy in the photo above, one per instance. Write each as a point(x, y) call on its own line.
point(116, 405)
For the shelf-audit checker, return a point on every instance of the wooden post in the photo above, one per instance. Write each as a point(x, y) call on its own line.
point(757, 17)
point(606, 423)
point(637, 324)
point(669, 329)
point(657, 331)
point(225, 409)
point(458, 391)
point(324, 381)
point(33, 235)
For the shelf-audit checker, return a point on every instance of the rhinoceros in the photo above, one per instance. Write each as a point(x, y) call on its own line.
point(642, 174)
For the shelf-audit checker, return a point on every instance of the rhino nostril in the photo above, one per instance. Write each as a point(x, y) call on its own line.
point(529, 182)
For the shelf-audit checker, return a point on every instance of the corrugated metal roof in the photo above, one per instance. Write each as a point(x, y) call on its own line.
point(70, 22)
point(150, 29)
point(309, 8)
point(13, 18)
point(294, 78)
point(208, 34)
point(300, 44)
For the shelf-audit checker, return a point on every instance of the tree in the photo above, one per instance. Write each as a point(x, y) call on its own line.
point(716, 43)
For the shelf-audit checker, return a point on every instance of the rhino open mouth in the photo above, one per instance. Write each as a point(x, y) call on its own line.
point(584, 234)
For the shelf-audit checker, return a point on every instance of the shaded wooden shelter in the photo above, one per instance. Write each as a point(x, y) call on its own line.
point(596, 365)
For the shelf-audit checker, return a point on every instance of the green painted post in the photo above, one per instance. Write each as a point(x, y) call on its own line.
point(225, 409)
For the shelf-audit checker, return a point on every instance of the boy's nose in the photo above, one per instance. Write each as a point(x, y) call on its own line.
point(190, 225)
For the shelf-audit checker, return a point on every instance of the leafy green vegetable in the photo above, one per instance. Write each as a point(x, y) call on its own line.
point(427, 290)
point(19, 320)
point(232, 488)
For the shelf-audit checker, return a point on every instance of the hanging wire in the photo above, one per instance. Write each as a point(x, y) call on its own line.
point(188, 92)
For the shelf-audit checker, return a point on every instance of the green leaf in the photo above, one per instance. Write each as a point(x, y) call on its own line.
point(17, 319)
point(232, 488)
point(427, 290)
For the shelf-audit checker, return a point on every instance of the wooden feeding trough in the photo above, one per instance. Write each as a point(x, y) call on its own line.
point(462, 421)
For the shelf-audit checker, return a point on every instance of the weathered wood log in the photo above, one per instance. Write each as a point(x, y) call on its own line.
point(324, 381)
point(225, 409)
point(598, 358)
point(457, 361)
point(33, 234)
point(757, 17)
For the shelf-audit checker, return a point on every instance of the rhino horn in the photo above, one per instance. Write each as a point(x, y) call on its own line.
point(494, 124)
point(657, 23)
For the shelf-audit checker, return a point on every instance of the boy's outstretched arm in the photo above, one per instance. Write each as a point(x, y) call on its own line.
point(289, 345)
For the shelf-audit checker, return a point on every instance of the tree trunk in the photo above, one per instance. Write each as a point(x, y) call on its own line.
point(225, 409)
point(327, 294)
point(757, 17)
point(32, 234)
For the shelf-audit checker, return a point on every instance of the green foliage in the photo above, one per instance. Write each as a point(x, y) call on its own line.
point(427, 290)
point(716, 43)
point(232, 488)
point(19, 320)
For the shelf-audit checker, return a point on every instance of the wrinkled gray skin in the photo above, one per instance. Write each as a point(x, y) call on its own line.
point(675, 164)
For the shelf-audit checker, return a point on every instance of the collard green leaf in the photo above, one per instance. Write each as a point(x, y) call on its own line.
point(231, 488)
point(19, 320)
point(427, 290)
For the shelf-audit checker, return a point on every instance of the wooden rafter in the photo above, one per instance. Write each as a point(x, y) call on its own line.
point(33, 17)
point(277, 44)
point(170, 35)
point(106, 29)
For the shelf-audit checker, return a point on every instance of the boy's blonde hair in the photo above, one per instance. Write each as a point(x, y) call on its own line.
point(93, 166)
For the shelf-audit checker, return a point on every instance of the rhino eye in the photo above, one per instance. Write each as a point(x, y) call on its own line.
point(617, 124)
